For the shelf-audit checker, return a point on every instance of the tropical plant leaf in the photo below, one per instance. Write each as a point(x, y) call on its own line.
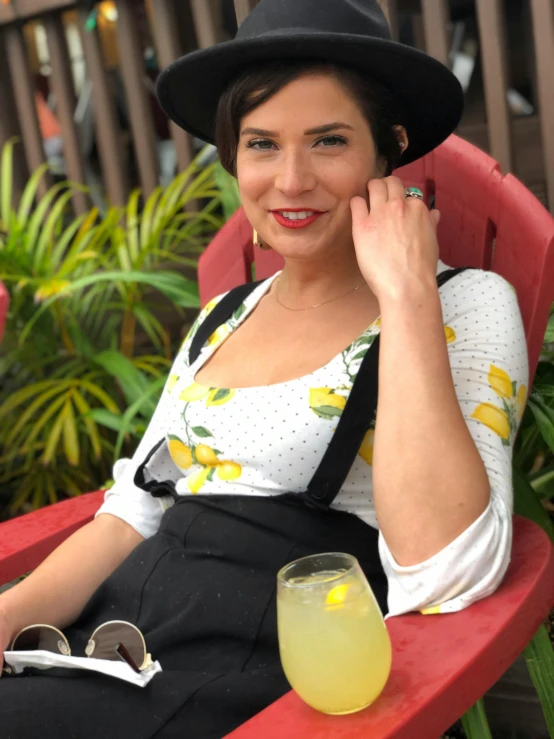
point(544, 417)
point(539, 658)
point(527, 504)
point(475, 722)
point(70, 436)
point(153, 391)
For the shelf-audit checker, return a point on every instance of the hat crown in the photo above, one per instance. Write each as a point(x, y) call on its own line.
point(360, 17)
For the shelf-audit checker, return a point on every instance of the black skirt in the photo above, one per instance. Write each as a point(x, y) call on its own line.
point(203, 592)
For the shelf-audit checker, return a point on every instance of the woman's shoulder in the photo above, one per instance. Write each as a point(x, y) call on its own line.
point(474, 288)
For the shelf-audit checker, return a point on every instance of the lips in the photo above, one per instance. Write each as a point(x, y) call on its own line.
point(296, 218)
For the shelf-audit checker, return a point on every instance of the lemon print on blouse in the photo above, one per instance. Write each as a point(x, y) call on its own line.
point(198, 478)
point(366, 447)
point(326, 403)
point(171, 382)
point(205, 454)
point(229, 470)
point(503, 418)
point(449, 334)
point(194, 392)
point(219, 334)
point(213, 395)
point(180, 453)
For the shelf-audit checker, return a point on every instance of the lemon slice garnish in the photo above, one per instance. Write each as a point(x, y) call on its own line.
point(336, 596)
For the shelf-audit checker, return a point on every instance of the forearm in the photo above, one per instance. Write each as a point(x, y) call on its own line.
point(430, 483)
point(57, 591)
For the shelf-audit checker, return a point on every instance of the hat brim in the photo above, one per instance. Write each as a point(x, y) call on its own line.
point(430, 96)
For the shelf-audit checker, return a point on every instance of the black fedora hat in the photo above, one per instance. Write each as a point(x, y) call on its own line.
point(352, 33)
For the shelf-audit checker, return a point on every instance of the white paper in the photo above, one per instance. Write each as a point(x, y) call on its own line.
point(44, 660)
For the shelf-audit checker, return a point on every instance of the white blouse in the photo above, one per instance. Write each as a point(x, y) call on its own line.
point(269, 440)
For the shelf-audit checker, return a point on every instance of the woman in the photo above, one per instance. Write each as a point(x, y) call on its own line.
point(269, 435)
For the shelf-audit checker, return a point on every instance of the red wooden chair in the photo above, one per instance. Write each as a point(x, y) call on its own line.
point(441, 664)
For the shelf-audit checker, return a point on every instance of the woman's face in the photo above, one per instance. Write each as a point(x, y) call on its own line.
point(301, 157)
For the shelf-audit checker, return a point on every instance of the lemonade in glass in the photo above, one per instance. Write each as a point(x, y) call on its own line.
point(334, 645)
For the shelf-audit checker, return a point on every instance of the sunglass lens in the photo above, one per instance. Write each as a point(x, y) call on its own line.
point(107, 638)
point(41, 637)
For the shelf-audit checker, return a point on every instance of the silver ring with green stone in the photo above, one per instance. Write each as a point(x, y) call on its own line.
point(413, 192)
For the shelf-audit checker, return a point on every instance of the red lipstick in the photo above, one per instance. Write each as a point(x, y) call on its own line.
point(283, 220)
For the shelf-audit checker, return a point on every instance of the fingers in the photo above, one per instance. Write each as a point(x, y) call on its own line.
point(385, 189)
point(435, 218)
point(359, 209)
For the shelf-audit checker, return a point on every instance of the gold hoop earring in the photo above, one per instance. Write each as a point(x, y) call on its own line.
point(258, 241)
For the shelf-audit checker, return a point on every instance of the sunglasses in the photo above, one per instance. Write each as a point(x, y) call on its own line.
point(114, 640)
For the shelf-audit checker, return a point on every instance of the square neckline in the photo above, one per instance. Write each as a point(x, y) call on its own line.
point(251, 302)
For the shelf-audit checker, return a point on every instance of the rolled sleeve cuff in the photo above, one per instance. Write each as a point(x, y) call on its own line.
point(132, 504)
point(470, 568)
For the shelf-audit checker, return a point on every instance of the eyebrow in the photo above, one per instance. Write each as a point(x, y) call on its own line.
point(326, 128)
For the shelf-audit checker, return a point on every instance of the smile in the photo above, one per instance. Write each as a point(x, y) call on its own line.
point(296, 218)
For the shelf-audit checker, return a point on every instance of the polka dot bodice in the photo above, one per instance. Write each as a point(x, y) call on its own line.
point(269, 440)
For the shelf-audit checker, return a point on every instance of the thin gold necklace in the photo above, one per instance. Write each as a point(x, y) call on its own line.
point(317, 304)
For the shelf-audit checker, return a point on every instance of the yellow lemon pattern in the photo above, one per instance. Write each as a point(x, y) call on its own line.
point(194, 392)
point(504, 418)
point(366, 447)
point(326, 403)
point(449, 334)
point(172, 380)
point(180, 453)
point(196, 452)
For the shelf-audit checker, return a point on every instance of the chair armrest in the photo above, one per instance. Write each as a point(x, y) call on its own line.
point(441, 664)
point(26, 541)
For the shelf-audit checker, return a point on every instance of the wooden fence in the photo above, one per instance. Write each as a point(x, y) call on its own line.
point(522, 144)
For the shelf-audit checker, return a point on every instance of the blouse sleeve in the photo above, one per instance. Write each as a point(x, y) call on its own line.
point(488, 358)
point(124, 499)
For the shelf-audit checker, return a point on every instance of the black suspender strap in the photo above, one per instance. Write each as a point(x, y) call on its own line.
point(353, 424)
point(219, 315)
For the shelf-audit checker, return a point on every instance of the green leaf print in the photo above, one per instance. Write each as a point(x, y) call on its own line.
point(221, 394)
point(327, 411)
point(211, 474)
point(202, 432)
point(239, 312)
point(359, 355)
point(364, 340)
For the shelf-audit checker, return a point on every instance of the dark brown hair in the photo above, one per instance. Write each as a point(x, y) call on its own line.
point(255, 86)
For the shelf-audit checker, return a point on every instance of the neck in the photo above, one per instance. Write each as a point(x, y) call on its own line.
point(307, 283)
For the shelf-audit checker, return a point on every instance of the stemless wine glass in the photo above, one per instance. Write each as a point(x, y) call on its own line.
point(334, 645)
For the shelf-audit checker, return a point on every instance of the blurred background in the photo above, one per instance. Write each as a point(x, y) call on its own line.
point(77, 83)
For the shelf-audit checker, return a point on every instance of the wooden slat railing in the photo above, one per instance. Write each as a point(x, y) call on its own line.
point(140, 115)
point(24, 94)
point(501, 135)
point(543, 31)
point(493, 55)
point(168, 48)
point(108, 134)
point(62, 86)
point(435, 27)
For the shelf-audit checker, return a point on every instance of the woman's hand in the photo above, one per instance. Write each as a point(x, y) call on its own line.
point(395, 240)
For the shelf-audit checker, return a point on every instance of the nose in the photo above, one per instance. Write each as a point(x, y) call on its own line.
point(295, 175)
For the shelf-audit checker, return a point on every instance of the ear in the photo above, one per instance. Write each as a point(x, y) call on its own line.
point(402, 137)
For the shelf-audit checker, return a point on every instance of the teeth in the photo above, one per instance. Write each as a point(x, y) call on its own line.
point(297, 216)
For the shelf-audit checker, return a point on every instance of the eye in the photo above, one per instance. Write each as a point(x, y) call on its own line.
point(260, 144)
point(328, 141)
